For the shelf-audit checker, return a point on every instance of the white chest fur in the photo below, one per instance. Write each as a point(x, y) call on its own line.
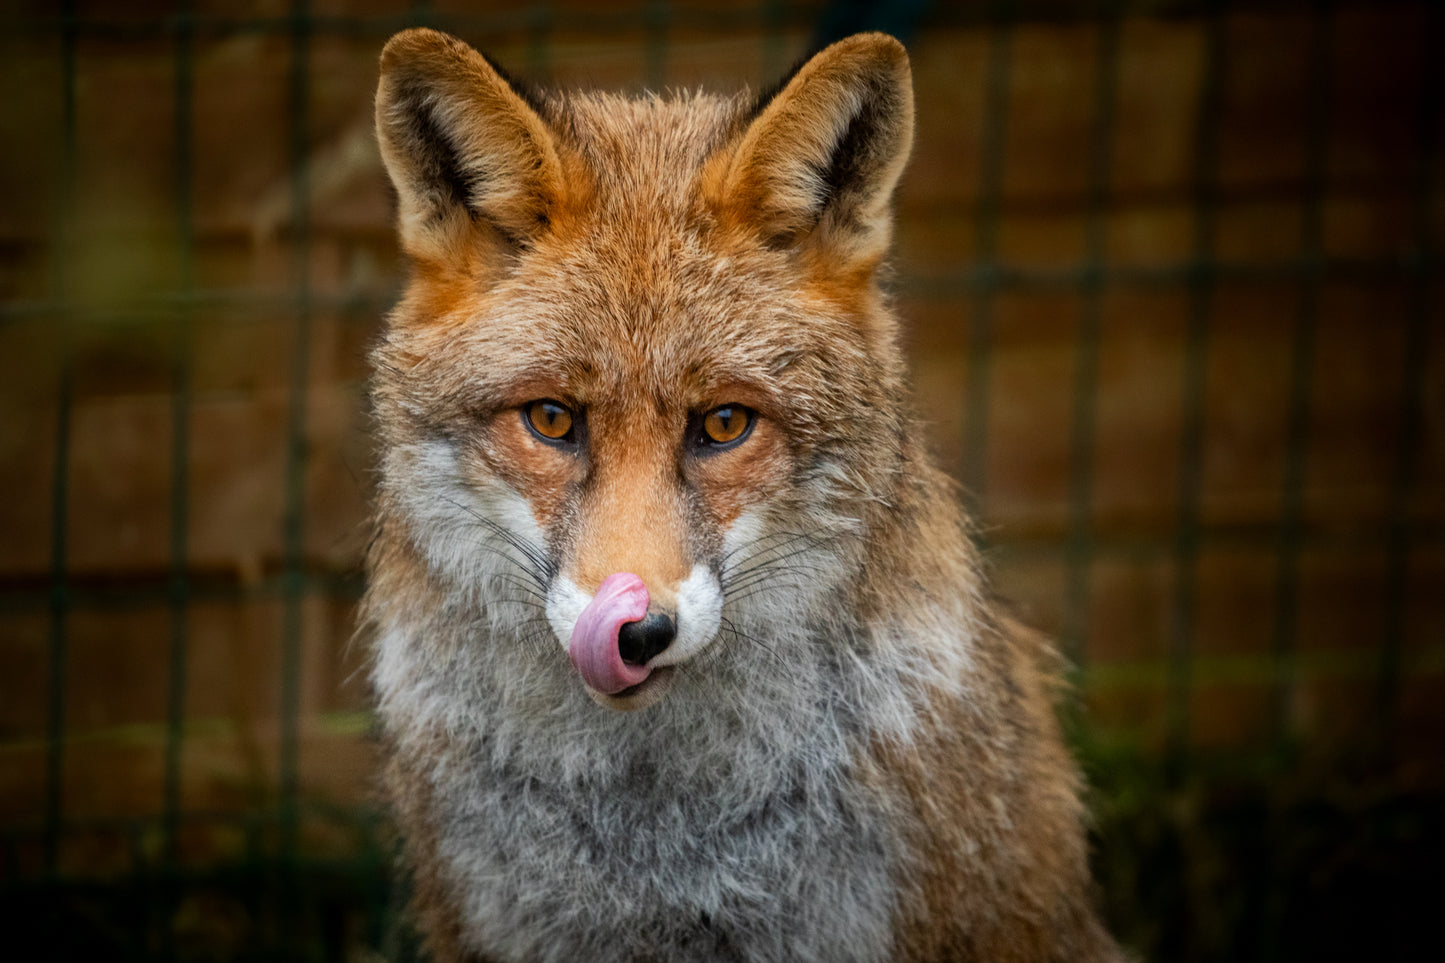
point(723, 823)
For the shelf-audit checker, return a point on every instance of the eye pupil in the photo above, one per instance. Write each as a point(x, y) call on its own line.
point(725, 424)
point(549, 419)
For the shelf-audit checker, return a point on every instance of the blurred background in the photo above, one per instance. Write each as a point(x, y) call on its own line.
point(1172, 279)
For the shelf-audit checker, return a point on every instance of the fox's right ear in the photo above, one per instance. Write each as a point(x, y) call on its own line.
point(462, 144)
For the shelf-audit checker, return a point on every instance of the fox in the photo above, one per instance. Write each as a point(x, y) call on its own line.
point(681, 646)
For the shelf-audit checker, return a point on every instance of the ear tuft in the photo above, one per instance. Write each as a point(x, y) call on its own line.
point(463, 143)
point(822, 155)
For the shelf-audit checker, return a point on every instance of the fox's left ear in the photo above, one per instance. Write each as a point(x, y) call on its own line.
point(818, 162)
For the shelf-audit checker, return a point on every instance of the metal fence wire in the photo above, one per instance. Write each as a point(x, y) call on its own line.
point(1171, 277)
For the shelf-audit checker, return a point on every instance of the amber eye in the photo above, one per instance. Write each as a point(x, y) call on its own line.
point(549, 419)
point(727, 424)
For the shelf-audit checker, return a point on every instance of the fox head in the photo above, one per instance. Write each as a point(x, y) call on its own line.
point(641, 402)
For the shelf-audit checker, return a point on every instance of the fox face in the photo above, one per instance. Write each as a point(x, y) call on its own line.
point(641, 391)
point(619, 489)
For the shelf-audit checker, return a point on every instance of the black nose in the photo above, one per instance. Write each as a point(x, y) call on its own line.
point(637, 642)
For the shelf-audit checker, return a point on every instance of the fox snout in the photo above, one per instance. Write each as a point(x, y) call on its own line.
point(623, 643)
point(638, 642)
point(597, 650)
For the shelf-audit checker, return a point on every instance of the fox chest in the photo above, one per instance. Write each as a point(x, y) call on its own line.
point(651, 868)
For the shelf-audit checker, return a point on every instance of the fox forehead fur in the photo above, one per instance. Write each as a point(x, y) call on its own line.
point(836, 749)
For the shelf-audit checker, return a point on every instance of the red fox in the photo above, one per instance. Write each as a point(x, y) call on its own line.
point(681, 648)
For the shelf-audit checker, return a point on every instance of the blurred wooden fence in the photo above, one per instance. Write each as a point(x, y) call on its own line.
point(1172, 280)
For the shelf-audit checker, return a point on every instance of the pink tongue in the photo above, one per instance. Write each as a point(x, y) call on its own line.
point(620, 598)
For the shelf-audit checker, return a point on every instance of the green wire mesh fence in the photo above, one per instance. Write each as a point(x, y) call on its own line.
point(1171, 276)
